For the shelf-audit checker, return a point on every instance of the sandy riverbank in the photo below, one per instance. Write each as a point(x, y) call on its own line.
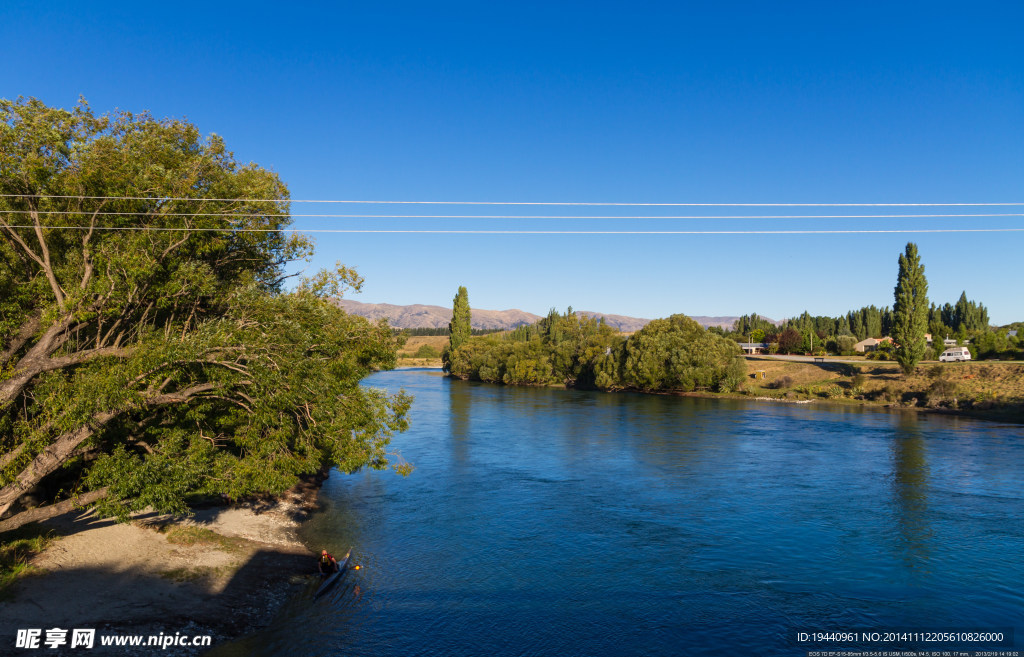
point(223, 572)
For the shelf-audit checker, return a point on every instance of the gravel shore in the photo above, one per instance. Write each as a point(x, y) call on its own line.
point(222, 572)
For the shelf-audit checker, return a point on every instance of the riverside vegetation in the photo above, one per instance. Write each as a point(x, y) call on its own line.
point(675, 353)
point(149, 351)
point(678, 355)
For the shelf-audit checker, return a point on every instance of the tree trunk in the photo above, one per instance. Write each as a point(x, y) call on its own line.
point(49, 460)
point(52, 510)
point(33, 363)
point(60, 450)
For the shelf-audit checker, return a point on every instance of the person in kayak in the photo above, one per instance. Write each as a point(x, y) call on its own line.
point(327, 563)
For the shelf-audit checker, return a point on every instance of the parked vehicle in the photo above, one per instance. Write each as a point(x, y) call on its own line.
point(955, 354)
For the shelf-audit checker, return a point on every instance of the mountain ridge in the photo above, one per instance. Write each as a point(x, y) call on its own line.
point(428, 316)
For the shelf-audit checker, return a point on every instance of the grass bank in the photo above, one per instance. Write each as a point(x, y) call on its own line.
point(422, 351)
point(986, 389)
point(17, 549)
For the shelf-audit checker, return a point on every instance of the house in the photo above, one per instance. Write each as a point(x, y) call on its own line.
point(1011, 334)
point(751, 348)
point(870, 344)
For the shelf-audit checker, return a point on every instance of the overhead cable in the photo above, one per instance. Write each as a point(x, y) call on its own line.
point(237, 215)
point(280, 200)
point(535, 232)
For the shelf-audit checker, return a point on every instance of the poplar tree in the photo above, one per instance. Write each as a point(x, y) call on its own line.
point(459, 328)
point(910, 312)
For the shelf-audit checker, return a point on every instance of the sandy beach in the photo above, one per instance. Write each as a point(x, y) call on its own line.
point(222, 572)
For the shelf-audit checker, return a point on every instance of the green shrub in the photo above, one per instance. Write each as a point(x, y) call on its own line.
point(427, 351)
point(832, 391)
point(844, 344)
point(734, 374)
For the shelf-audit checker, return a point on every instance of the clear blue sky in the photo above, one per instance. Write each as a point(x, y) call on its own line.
point(602, 102)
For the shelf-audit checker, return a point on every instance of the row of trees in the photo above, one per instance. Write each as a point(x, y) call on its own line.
point(911, 317)
point(965, 321)
point(961, 321)
point(430, 331)
point(565, 348)
point(148, 349)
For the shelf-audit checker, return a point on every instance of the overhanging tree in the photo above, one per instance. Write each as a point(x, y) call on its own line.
point(910, 312)
point(147, 350)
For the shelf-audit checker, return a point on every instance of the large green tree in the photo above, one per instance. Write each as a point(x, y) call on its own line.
point(676, 353)
point(148, 350)
point(459, 329)
point(910, 312)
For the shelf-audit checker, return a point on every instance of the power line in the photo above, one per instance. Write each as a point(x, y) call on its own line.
point(244, 215)
point(549, 203)
point(540, 232)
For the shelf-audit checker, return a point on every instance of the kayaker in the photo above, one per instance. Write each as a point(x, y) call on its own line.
point(327, 563)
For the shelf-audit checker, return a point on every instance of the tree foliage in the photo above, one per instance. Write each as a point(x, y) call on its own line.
point(910, 311)
point(459, 329)
point(790, 341)
point(147, 348)
point(565, 348)
point(747, 324)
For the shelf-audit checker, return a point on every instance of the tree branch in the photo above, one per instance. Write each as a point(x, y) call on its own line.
point(46, 512)
point(49, 460)
point(86, 256)
point(27, 330)
point(51, 276)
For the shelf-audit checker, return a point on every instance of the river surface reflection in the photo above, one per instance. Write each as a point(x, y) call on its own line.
point(561, 522)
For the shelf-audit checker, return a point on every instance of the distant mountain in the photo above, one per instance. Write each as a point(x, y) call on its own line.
point(620, 322)
point(422, 316)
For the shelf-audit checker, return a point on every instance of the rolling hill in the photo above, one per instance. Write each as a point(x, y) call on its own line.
point(423, 316)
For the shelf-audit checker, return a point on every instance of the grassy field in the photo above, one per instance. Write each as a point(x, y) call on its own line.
point(416, 342)
point(416, 352)
point(978, 386)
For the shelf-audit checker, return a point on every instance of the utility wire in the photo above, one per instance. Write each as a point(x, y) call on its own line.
point(481, 216)
point(279, 200)
point(539, 232)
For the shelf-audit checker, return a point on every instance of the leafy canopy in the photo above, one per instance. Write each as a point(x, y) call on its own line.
point(148, 350)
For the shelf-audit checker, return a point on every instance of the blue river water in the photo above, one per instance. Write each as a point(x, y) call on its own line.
point(562, 522)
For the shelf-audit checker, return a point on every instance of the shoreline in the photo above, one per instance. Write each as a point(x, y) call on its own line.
point(1009, 413)
point(223, 572)
point(1014, 415)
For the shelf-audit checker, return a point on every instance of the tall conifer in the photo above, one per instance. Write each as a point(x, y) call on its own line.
point(459, 328)
point(910, 312)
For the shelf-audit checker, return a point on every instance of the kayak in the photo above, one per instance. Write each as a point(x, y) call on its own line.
point(335, 576)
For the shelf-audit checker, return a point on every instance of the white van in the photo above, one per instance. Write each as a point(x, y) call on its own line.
point(955, 353)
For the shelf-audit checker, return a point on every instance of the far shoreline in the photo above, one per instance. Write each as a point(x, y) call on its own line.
point(970, 390)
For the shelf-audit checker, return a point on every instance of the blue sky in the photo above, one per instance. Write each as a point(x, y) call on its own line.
point(591, 102)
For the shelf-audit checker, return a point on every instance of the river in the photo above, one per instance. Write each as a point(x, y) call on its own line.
point(562, 522)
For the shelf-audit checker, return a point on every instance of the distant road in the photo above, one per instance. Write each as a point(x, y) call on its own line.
point(810, 359)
